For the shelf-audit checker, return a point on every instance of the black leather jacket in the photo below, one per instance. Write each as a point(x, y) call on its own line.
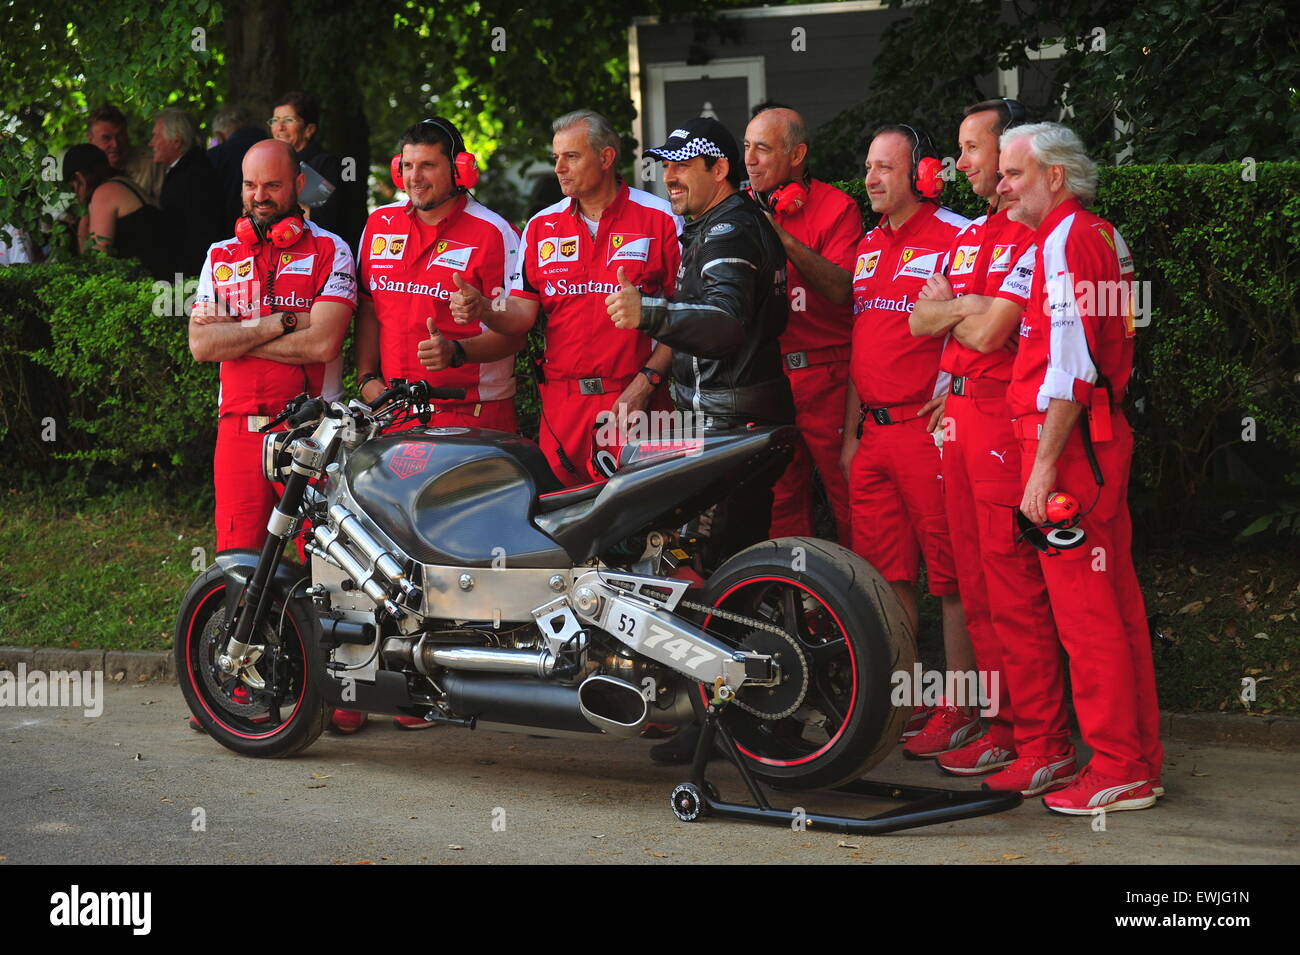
point(725, 317)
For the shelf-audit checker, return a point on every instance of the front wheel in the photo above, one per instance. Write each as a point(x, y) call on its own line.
point(839, 634)
point(271, 709)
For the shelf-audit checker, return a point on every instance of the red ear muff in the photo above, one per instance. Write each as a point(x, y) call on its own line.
point(929, 177)
point(286, 232)
point(465, 170)
point(246, 232)
point(282, 234)
point(788, 198)
point(1062, 510)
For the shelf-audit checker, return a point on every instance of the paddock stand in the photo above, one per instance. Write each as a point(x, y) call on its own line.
point(923, 805)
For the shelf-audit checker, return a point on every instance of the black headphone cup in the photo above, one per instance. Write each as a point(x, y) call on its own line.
point(1017, 115)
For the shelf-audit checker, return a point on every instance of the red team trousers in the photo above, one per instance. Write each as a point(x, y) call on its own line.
point(1002, 589)
point(1101, 618)
point(819, 396)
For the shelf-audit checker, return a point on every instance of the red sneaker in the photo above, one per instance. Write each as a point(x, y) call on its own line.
point(916, 722)
point(948, 728)
point(1031, 775)
point(347, 722)
point(975, 758)
point(1092, 793)
point(412, 723)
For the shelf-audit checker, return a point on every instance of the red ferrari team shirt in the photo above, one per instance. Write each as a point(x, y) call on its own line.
point(406, 269)
point(1079, 322)
point(986, 260)
point(830, 224)
point(571, 272)
point(252, 281)
point(890, 366)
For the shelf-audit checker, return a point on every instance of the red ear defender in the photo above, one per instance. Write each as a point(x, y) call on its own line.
point(246, 232)
point(286, 232)
point(929, 177)
point(788, 198)
point(395, 168)
point(466, 171)
point(1062, 510)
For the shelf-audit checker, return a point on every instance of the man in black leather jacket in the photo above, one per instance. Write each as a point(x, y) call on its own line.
point(728, 310)
point(726, 314)
point(723, 322)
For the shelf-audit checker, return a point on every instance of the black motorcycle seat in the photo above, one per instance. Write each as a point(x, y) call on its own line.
point(554, 500)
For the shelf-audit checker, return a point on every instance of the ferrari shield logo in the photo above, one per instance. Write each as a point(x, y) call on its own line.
point(411, 458)
point(442, 246)
point(616, 241)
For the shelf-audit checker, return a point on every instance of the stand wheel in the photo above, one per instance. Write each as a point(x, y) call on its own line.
point(687, 802)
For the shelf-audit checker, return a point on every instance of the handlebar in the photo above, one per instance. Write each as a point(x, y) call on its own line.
point(417, 393)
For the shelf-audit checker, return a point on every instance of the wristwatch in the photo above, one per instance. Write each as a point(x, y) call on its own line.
point(368, 377)
point(288, 321)
point(652, 376)
point(457, 354)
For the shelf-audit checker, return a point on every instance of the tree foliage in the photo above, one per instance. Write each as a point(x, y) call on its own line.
point(1193, 80)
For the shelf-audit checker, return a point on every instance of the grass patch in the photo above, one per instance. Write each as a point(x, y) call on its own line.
point(105, 573)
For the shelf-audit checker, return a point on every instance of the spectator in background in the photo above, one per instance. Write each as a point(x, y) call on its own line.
point(191, 193)
point(17, 247)
point(295, 121)
point(106, 128)
point(235, 130)
point(118, 219)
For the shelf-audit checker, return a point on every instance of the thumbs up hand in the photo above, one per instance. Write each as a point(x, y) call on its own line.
point(435, 352)
point(467, 302)
point(624, 306)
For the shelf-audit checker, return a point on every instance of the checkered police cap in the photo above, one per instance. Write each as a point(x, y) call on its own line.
point(702, 136)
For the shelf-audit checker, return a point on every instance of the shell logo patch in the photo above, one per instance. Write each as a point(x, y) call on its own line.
point(559, 249)
point(387, 246)
point(412, 458)
point(866, 265)
point(963, 262)
point(223, 273)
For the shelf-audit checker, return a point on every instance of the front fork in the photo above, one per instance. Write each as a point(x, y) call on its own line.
point(308, 455)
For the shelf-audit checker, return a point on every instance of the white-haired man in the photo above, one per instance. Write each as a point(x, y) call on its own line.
point(1067, 387)
point(572, 253)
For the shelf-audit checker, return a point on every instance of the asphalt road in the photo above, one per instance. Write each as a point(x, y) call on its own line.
point(125, 787)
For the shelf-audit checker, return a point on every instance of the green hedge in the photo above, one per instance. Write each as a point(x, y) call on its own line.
point(97, 377)
point(82, 344)
point(1221, 254)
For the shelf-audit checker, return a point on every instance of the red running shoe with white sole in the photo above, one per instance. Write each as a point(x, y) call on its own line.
point(975, 758)
point(949, 728)
point(1092, 793)
point(1031, 775)
point(916, 722)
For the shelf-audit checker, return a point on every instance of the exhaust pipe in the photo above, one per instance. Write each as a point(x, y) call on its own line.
point(600, 704)
point(613, 705)
point(423, 657)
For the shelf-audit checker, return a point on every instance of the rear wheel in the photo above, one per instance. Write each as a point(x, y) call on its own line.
point(839, 633)
point(271, 709)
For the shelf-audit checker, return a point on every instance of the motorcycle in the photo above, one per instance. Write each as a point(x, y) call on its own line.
point(450, 577)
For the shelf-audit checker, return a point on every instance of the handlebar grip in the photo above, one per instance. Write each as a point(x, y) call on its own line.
point(310, 411)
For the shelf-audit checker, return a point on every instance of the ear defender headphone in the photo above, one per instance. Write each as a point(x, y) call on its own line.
point(927, 170)
point(280, 234)
point(1061, 532)
point(464, 167)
